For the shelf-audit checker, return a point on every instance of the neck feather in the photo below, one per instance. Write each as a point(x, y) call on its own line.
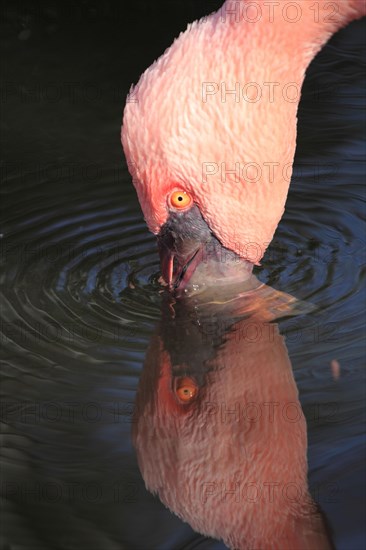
point(293, 31)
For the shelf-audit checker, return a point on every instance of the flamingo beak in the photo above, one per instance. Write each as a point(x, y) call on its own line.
point(191, 254)
point(182, 241)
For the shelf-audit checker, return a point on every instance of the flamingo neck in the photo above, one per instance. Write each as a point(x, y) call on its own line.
point(292, 32)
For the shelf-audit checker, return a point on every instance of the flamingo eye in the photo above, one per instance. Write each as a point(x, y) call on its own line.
point(180, 200)
point(186, 389)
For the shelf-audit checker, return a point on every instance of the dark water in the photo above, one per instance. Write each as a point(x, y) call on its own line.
point(81, 298)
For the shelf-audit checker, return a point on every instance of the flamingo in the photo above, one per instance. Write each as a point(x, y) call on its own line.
point(209, 135)
point(223, 450)
point(209, 132)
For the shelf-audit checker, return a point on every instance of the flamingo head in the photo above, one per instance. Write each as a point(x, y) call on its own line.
point(211, 168)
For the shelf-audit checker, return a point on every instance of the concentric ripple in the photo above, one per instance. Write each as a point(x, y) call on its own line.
point(82, 282)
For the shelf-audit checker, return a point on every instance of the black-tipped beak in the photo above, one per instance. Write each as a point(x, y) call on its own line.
point(175, 268)
point(181, 244)
point(190, 253)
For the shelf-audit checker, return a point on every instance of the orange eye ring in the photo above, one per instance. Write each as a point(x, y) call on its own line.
point(186, 389)
point(180, 200)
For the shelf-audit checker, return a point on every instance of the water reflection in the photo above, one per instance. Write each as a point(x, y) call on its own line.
point(219, 431)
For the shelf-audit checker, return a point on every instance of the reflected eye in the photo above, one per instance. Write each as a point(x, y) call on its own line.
point(186, 389)
point(180, 199)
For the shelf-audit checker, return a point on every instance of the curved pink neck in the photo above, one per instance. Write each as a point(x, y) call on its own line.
point(303, 27)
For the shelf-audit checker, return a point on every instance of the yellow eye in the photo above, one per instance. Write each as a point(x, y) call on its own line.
point(180, 199)
point(186, 389)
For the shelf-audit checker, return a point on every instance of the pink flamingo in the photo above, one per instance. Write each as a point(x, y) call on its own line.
point(209, 132)
point(228, 454)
